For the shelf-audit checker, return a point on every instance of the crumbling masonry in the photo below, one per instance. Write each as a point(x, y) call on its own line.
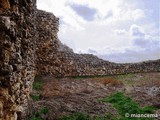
point(29, 46)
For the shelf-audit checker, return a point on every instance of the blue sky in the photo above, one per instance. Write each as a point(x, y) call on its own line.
point(115, 30)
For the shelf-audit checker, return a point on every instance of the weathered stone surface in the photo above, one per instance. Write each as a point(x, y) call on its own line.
point(29, 45)
point(16, 58)
point(4, 6)
point(5, 23)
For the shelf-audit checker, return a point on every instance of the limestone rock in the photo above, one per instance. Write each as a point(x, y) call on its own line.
point(4, 23)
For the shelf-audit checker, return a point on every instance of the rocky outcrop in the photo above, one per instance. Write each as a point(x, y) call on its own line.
point(29, 45)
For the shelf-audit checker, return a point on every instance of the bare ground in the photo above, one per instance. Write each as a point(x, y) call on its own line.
point(69, 95)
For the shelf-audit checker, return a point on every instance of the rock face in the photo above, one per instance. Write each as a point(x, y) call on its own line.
point(29, 45)
point(17, 56)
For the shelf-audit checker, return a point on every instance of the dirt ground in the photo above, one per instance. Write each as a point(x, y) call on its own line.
point(69, 95)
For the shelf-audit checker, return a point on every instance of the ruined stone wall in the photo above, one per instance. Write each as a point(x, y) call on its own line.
point(17, 56)
point(59, 60)
point(29, 45)
point(47, 42)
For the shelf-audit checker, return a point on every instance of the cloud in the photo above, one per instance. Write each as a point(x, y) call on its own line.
point(84, 11)
point(141, 39)
point(120, 32)
point(138, 36)
point(133, 54)
point(91, 51)
point(136, 31)
point(143, 47)
point(129, 14)
point(109, 14)
point(128, 54)
point(138, 14)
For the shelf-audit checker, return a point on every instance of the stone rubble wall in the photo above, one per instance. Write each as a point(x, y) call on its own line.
point(29, 46)
point(55, 58)
point(17, 57)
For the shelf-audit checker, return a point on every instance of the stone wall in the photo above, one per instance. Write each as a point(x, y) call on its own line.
point(29, 45)
point(17, 56)
point(47, 42)
point(55, 58)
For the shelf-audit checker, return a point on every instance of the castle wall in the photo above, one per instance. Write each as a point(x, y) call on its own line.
point(17, 57)
point(55, 58)
point(29, 46)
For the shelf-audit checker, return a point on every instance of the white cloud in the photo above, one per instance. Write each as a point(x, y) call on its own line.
point(120, 31)
point(141, 39)
point(138, 14)
point(128, 54)
point(143, 47)
point(136, 31)
point(91, 51)
point(60, 9)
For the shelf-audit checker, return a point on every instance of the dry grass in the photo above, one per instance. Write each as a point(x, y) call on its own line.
point(51, 89)
point(61, 87)
point(110, 82)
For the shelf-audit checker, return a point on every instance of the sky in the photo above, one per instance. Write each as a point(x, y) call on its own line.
point(121, 31)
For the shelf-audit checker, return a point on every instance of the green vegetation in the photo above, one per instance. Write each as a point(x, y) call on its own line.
point(124, 76)
point(83, 116)
point(37, 115)
point(37, 85)
point(121, 77)
point(35, 97)
point(125, 105)
point(36, 118)
point(127, 79)
point(122, 103)
point(75, 116)
point(108, 116)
